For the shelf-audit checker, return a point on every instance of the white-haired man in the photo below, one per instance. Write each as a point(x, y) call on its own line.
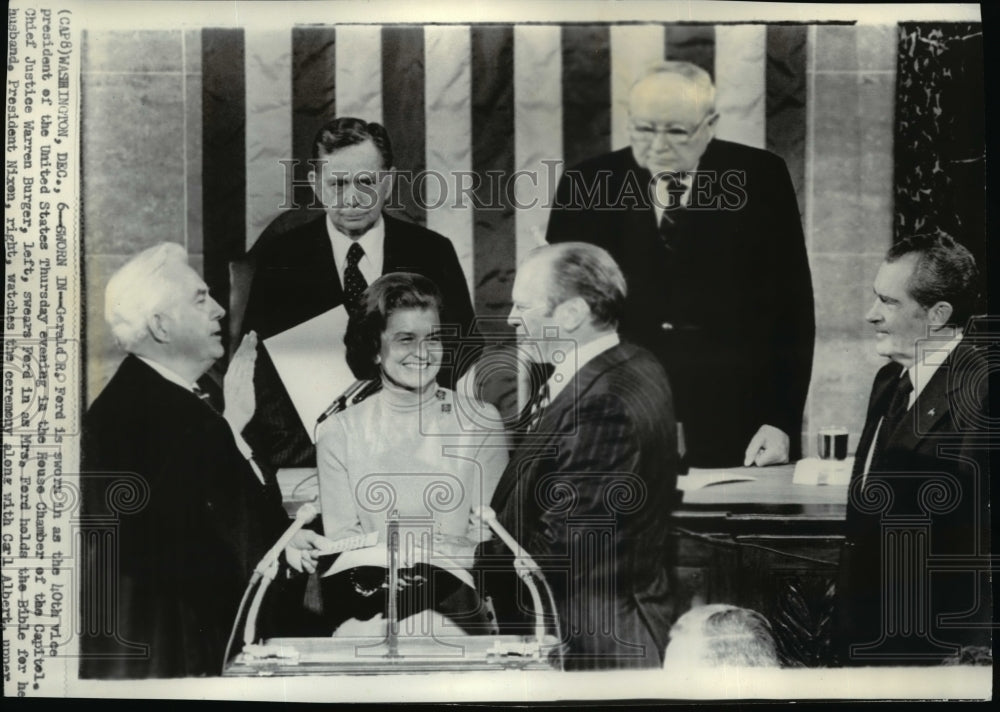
point(166, 564)
point(708, 235)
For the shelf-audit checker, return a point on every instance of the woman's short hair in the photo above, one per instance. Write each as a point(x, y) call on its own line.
point(137, 290)
point(387, 294)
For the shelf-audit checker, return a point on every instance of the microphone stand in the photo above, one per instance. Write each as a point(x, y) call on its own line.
point(527, 569)
point(264, 573)
point(392, 613)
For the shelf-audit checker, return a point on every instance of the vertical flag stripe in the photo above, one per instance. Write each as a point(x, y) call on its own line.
point(223, 156)
point(403, 113)
point(268, 126)
point(314, 98)
point(692, 43)
point(786, 100)
point(739, 82)
point(537, 129)
point(193, 141)
point(586, 91)
point(448, 120)
point(633, 48)
point(493, 161)
point(359, 71)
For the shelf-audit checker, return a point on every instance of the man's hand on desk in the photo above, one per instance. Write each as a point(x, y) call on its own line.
point(768, 447)
point(237, 386)
point(303, 550)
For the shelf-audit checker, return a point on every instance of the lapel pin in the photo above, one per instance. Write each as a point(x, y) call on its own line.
point(931, 412)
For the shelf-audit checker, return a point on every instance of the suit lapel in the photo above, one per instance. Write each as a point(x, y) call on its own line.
point(540, 446)
point(391, 246)
point(933, 404)
point(320, 254)
point(877, 405)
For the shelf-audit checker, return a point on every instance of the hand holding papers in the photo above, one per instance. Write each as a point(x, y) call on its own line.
point(310, 359)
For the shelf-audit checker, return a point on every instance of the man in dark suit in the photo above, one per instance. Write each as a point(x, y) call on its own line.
point(175, 513)
point(708, 235)
point(588, 492)
point(914, 576)
point(330, 260)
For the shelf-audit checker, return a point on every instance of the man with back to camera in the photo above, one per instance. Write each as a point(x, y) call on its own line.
point(708, 235)
point(921, 471)
point(587, 493)
point(191, 511)
point(330, 261)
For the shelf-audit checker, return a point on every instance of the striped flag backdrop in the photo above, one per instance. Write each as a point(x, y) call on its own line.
point(495, 109)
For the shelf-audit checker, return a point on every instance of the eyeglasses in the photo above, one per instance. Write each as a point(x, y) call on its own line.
point(675, 135)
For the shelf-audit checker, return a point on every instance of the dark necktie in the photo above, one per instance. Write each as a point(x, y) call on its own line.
point(674, 189)
point(354, 281)
point(537, 406)
point(203, 396)
point(894, 413)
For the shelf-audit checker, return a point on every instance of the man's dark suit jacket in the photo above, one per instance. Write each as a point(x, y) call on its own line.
point(734, 292)
point(589, 496)
point(189, 519)
point(297, 279)
point(927, 491)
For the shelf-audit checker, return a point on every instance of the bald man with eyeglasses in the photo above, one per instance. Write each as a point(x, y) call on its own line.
point(709, 237)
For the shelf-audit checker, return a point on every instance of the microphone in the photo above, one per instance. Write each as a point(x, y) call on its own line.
point(487, 514)
point(526, 569)
point(307, 512)
point(357, 392)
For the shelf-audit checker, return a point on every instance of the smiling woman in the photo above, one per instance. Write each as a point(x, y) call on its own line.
point(414, 451)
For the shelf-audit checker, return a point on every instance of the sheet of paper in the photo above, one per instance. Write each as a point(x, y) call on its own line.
point(697, 480)
point(311, 360)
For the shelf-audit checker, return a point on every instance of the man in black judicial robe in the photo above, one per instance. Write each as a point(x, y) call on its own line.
point(175, 513)
point(708, 235)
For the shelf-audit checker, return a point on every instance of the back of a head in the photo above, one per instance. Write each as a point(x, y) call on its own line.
point(579, 269)
point(137, 289)
point(945, 270)
point(719, 635)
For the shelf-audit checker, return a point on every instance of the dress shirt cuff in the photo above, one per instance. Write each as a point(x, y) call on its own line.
point(246, 451)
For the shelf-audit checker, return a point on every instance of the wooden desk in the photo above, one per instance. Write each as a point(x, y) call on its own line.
point(769, 545)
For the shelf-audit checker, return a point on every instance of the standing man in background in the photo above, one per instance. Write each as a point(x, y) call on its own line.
point(708, 235)
point(331, 260)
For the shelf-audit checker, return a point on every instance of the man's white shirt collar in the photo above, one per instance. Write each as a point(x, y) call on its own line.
point(570, 366)
point(930, 356)
point(929, 359)
point(167, 373)
point(372, 242)
point(662, 197)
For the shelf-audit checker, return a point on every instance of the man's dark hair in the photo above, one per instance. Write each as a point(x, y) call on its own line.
point(945, 271)
point(387, 294)
point(349, 131)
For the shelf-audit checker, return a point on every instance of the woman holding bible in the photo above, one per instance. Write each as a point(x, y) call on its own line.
point(415, 454)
